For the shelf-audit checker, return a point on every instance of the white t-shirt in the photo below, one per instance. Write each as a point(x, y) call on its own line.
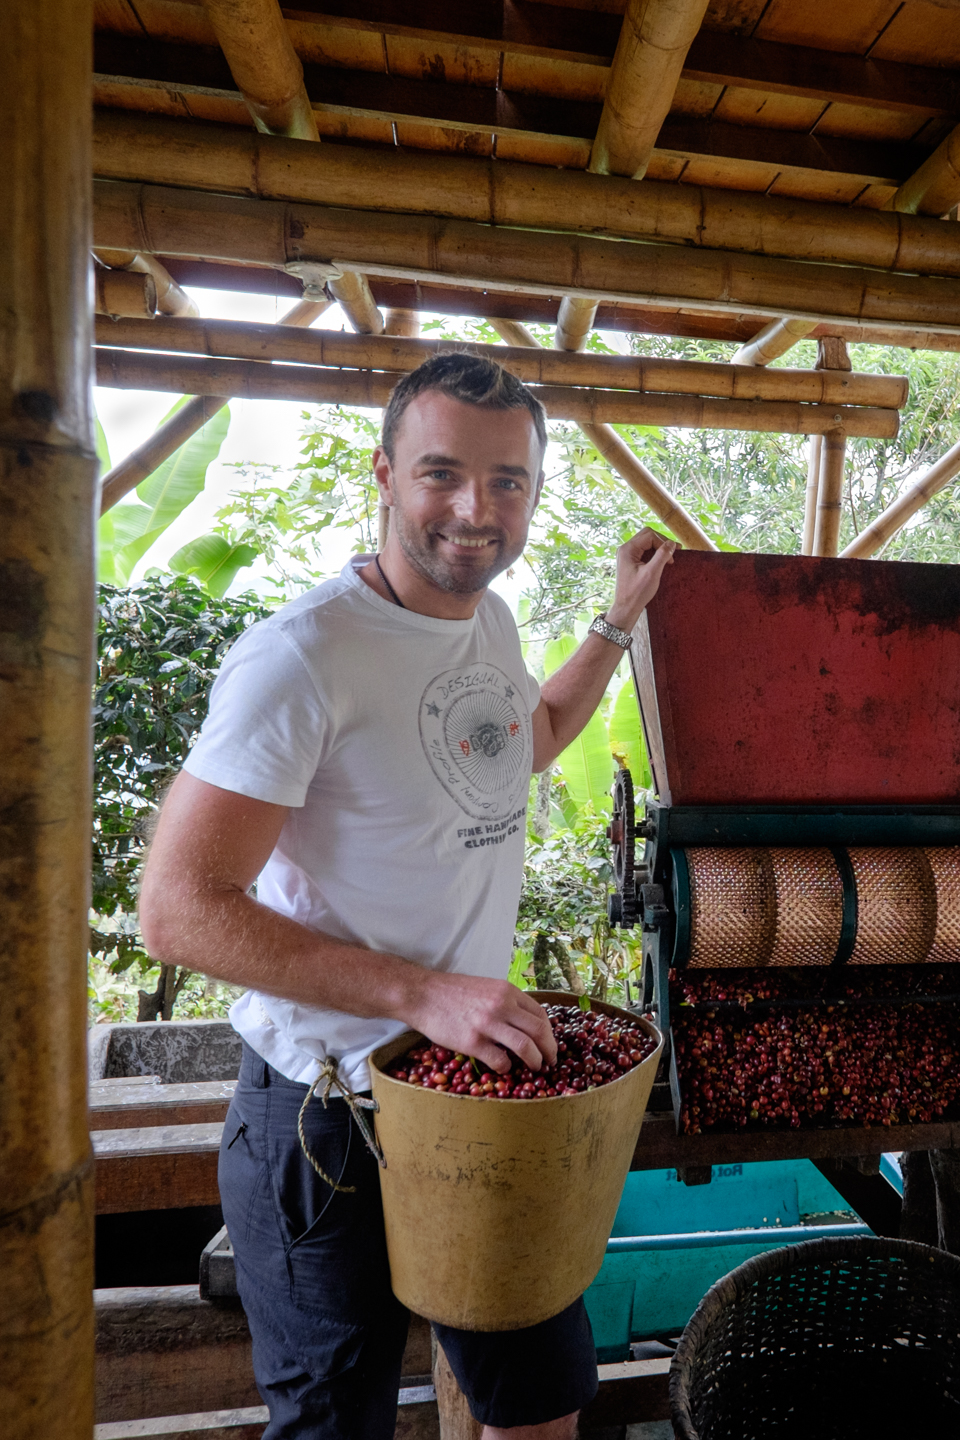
point(403, 745)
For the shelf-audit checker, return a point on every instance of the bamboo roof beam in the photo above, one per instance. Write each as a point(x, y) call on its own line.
point(352, 293)
point(935, 187)
point(124, 292)
point(896, 515)
point(418, 247)
point(774, 339)
point(176, 431)
point(224, 159)
point(256, 380)
point(653, 44)
point(830, 494)
point(245, 341)
point(654, 39)
point(255, 40)
point(622, 459)
point(171, 300)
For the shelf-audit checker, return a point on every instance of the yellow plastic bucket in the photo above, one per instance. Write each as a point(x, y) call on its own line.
point(498, 1214)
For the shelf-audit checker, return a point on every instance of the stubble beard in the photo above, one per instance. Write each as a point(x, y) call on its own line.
point(419, 552)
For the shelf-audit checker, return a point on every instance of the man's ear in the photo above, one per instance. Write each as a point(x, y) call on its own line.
point(539, 490)
point(383, 474)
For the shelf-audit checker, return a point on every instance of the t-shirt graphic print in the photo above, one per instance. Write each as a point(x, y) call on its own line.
point(473, 727)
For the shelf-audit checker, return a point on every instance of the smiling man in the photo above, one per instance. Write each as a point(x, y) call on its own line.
point(366, 761)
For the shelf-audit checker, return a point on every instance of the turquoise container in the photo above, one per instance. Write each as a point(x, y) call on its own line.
point(655, 1291)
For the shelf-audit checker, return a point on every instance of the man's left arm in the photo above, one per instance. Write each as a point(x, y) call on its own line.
point(572, 694)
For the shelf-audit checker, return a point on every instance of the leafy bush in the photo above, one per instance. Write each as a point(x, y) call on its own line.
point(159, 646)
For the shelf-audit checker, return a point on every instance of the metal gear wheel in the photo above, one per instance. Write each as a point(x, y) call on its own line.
point(622, 832)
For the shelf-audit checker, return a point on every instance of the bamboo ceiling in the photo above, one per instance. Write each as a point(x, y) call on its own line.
point(787, 100)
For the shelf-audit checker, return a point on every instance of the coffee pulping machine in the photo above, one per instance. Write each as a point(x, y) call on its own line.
point(802, 854)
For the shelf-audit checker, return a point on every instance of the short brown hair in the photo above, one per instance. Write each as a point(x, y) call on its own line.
point(470, 378)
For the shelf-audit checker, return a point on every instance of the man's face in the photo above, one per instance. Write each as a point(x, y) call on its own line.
point(463, 486)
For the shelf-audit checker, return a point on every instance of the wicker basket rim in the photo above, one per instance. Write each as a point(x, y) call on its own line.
point(734, 1285)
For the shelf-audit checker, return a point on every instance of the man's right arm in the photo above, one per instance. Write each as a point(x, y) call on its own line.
point(195, 910)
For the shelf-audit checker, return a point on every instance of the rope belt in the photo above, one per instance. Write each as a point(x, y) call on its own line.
point(329, 1077)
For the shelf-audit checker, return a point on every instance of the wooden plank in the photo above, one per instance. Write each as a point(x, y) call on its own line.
point(661, 1148)
point(137, 1105)
point(162, 1351)
point(161, 1167)
point(630, 1393)
point(416, 1420)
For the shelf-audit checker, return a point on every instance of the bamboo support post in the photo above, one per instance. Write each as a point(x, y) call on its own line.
point(830, 497)
point(171, 300)
point(124, 293)
point(574, 322)
point(621, 458)
point(456, 1421)
point(423, 247)
point(896, 515)
point(190, 418)
point(47, 479)
point(224, 159)
point(814, 449)
point(524, 358)
point(405, 323)
point(256, 43)
point(352, 293)
point(654, 39)
point(253, 380)
point(774, 339)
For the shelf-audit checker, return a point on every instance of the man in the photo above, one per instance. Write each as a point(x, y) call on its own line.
point(368, 755)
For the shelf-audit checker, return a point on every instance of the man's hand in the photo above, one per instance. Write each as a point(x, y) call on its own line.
point(484, 1018)
point(640, 564)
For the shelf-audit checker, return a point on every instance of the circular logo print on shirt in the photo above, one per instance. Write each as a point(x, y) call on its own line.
point(475, 730)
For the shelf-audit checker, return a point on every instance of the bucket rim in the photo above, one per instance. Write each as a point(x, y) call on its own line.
point(392, 1049)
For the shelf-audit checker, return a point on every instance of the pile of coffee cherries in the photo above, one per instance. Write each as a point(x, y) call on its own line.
point(870, 1063)
point(592, 1050)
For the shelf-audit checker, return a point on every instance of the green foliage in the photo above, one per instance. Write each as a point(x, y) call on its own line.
point(331, 488)
point(213, 561)
point(586, 765)
point(128, 531)
point(159, 647)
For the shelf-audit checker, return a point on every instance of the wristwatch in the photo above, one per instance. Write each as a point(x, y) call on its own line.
point(602, 627)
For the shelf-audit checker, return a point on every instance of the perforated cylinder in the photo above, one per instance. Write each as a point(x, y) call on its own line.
point(764, 907)
point(784, 906)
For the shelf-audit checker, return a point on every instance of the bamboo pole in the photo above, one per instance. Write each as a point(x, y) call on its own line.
point(224, 159)
point(244, 341)
point(171, 300)
point(352, 293)
point(217, 227)
point(830, 497)
point(254, 380)
point(47, 481)
point(654, 39)
point(622, 459)
point(934, 188)
point(405, 323)
point(254, 38)
point(811, 494)
point(896, 515)
point(190, 418)
point(124, 293)
point(774, 339)
point(574, 322)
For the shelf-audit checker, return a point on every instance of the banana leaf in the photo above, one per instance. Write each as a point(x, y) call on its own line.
point(586, 765)
point(626, 737)
point(214, 561)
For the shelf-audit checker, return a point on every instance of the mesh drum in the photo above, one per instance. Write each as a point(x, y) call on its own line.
point(896, 905)
point(773, 906)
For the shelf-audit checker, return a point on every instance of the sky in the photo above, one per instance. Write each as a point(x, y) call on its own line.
point(261, 431)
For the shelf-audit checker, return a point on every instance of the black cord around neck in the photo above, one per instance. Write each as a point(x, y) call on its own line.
point(393, 594)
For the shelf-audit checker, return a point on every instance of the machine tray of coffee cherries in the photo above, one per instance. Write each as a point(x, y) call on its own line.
point(796, 874)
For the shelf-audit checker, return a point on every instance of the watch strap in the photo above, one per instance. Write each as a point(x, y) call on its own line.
point(601, 626)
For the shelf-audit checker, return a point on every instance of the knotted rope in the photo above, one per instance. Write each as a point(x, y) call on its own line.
point(329, 1077)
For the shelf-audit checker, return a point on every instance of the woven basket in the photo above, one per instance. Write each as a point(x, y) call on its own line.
point(848, 1339)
